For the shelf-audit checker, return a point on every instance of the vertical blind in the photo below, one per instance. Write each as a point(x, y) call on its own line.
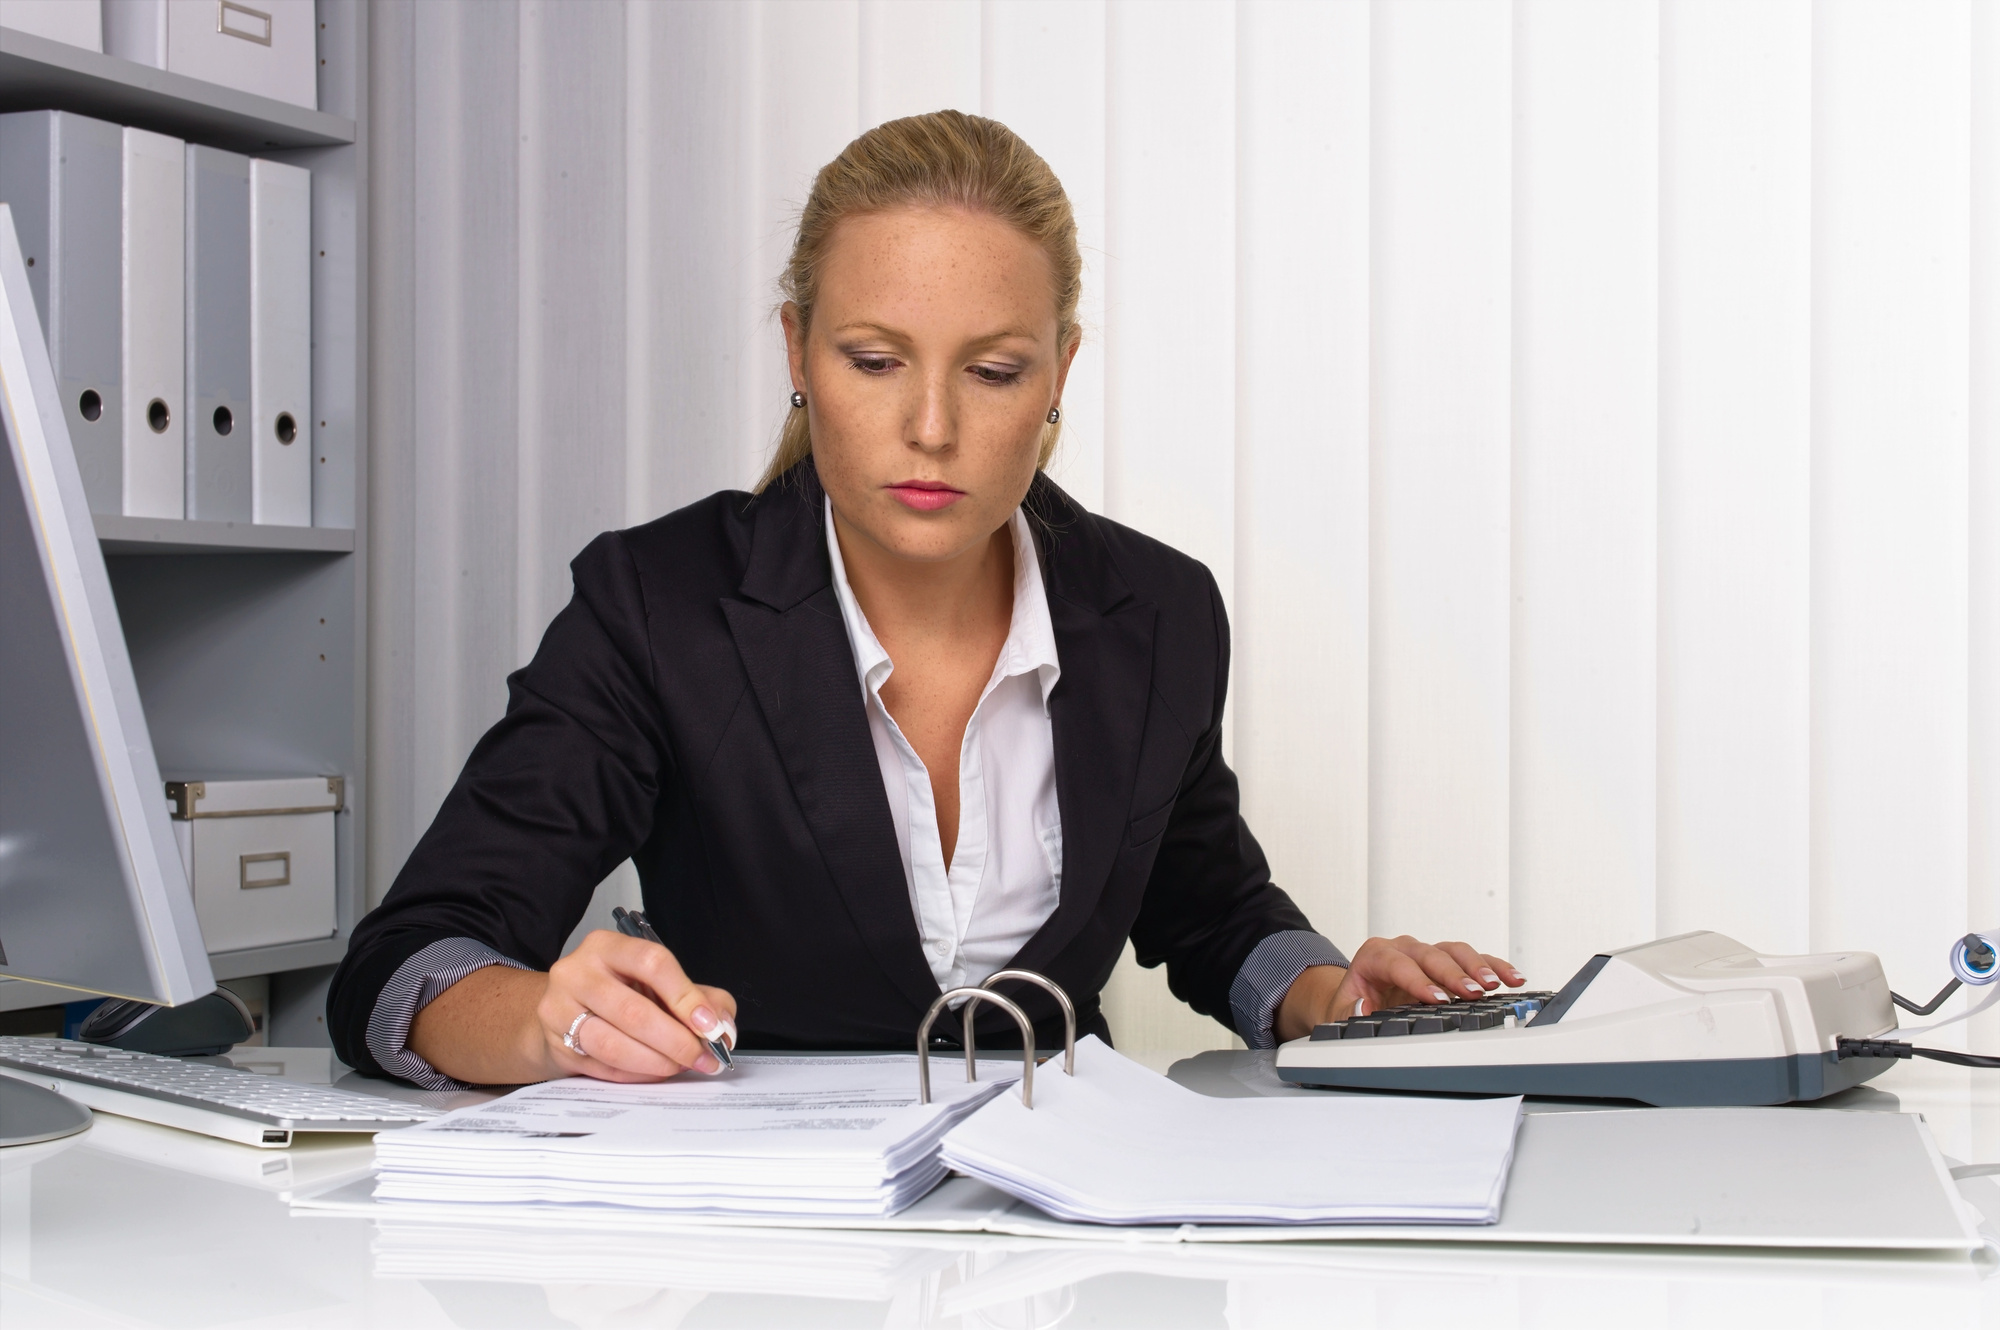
point(1590, 409)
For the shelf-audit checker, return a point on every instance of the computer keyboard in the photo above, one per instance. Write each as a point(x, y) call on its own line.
point(236, 1105)
point(1698, 1019)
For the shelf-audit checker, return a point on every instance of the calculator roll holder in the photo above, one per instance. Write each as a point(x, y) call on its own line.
point(985, 993)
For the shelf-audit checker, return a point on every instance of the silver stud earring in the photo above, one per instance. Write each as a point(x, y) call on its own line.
point(798, 400)
point(1055, 415)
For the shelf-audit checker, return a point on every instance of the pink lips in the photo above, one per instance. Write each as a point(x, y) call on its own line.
point(926, 496)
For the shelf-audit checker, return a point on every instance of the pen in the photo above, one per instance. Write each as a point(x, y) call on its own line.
point(632, 923)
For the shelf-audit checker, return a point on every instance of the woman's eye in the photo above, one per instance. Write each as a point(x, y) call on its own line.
point(988, 374)
point(873, 364)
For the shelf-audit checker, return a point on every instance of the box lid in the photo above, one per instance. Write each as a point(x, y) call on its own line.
point(251, 798)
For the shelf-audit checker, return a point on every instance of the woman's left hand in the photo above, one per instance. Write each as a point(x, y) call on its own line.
point(1389, 972)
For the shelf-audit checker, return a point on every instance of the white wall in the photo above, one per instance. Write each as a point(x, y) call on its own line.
point(1591, 409)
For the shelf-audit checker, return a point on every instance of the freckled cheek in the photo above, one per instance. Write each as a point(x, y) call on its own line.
point(1003, 435)
point(855, 415)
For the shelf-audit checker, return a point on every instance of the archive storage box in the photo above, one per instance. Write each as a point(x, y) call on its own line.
point(259, 855)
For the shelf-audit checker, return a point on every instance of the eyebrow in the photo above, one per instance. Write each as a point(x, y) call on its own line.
point(898, 335)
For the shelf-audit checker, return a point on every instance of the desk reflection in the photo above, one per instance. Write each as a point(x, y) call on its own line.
point(131, 1225)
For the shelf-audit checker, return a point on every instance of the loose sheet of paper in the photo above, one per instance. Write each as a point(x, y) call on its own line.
point(779, 1135)
point(1120, 1144)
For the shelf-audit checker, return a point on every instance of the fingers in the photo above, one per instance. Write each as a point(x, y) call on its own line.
point(1385, 974)
point(724, 1005)
point(691, 1004)
point(607, 995)
point(1491, 971)
point(1393, 971)
point(1471, 975)
point(1352, 998)
point(646, 1012)
point(1422, 971)
point(609, 1054)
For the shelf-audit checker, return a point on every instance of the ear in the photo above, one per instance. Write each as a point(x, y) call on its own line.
point(795, 344)
point(1067, 358)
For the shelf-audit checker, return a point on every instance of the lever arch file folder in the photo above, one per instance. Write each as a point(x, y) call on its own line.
point(64, 176)
point(154, 223)
point(281, 343)
point(218, 335)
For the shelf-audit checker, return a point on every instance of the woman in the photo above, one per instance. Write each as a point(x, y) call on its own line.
point(903, 718)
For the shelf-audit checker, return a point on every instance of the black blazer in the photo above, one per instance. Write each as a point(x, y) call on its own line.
point(696, 708)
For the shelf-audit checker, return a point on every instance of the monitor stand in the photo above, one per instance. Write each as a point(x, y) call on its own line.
point(29, 1113)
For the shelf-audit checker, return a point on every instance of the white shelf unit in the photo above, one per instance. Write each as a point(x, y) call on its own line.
point(250, 642)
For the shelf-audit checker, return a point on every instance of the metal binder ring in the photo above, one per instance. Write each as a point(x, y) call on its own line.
point(1062, 999)
point(973, 996)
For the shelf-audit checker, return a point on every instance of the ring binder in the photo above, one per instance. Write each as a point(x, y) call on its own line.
point(985, 993)
point(1062, 999)
point(971, 1067)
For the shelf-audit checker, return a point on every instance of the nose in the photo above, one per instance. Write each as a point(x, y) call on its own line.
point(933, 424)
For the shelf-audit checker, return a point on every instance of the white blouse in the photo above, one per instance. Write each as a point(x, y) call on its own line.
point(1006, 870)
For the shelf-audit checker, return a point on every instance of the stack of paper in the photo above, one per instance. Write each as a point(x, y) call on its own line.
point(1119, 1144)
point(835, 1136)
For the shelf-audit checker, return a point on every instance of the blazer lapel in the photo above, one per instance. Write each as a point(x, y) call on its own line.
point(1097, 712)
point(794, 647)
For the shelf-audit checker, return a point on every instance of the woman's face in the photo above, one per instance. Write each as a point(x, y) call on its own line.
point(929, 371)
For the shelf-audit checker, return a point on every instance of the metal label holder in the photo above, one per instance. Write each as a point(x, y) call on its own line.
point(985, 993)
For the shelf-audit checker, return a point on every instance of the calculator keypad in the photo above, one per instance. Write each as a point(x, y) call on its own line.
point(1422, 1018)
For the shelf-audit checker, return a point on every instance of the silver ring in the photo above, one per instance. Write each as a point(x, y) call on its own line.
point(569, 1040)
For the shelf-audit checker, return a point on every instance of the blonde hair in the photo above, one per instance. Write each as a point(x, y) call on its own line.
point(944, 159)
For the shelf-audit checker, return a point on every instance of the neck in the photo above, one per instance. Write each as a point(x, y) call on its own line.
point(913, 600)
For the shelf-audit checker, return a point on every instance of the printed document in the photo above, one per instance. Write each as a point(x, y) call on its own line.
point(1119, 1144)
point(779, 1135)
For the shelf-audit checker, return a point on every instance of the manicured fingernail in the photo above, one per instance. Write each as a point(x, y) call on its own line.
point(1471, 986)
point(729, 1031)
point(706, 1023)
point(707, 1065)
point(1440, 995)
point(1491, 978)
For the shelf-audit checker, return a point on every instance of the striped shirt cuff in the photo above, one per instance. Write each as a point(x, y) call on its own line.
point(1267, 976)
point(414, 986)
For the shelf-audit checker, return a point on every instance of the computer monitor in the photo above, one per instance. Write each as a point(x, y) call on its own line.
point(92, 892)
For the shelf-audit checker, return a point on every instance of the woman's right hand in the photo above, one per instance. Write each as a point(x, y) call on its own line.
point(645, 1013)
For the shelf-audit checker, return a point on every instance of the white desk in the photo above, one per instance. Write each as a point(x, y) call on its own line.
point(135, 1226)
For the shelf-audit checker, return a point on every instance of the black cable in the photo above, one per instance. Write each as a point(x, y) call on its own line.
point(1928, 1007)
point(1958, 1059)
point(1891, 1048)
